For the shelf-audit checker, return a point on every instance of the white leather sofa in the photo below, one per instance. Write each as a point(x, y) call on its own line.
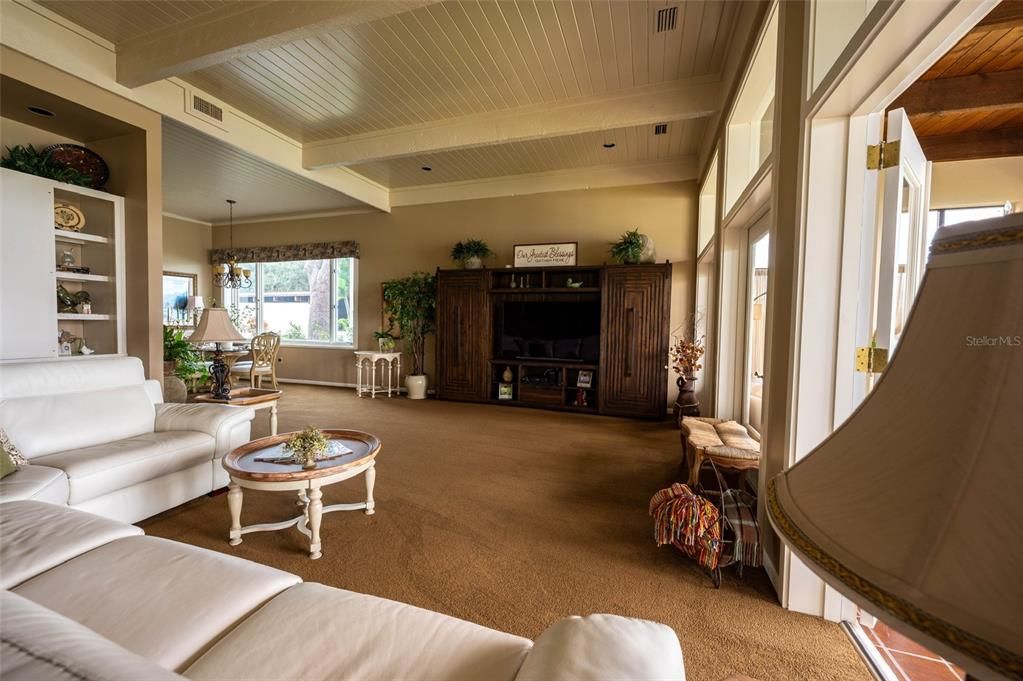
point(99, 437)
point(89, 598)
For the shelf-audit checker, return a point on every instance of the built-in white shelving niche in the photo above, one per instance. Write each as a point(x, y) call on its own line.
point(32, 250)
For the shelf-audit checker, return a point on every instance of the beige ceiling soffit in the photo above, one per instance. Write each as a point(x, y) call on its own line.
point(646, 105)
point(597, 177)
point(37, 33)
point(238, 29)
point(300, 216)
point(175, 216)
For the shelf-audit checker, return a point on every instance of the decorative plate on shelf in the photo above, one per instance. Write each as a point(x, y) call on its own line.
point(67, 217)
point(81, 159)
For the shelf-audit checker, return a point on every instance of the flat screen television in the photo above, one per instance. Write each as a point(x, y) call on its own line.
point(567, 331)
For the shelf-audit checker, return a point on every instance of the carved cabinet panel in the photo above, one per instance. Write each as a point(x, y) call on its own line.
point(463, 335)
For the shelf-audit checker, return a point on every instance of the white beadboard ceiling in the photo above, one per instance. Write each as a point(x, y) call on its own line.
point(200, 173)
point(436, 61)
point(586, 150)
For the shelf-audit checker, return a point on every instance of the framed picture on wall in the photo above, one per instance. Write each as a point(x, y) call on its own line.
point(178, 289)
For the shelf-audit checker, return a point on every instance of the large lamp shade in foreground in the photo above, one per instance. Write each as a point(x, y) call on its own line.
point(913, 508)
point(215, 327)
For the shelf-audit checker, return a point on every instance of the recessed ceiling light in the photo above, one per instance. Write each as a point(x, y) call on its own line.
point(427, 168)
point(40, 111)
point(609, 145)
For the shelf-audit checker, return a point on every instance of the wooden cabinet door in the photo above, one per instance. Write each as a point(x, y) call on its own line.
point(28, 302)
point(634, 350)
point(463, 335)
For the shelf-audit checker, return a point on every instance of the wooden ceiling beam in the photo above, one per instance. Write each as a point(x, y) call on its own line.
point(238, 29)
point(644, 105)
point(973, 144)
point(980, 91)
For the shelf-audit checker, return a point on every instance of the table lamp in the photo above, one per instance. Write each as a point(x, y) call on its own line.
point(215, 327)
point(911, 508)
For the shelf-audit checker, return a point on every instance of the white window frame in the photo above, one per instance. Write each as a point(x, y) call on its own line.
point(231, 296)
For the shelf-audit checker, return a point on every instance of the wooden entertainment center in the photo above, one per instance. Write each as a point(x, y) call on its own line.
point(543, 327)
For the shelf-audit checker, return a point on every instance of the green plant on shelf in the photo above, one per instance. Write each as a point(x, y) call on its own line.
point(629, 248)
point(28, 159)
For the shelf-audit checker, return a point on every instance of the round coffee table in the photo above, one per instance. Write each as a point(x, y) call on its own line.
point(248, 473)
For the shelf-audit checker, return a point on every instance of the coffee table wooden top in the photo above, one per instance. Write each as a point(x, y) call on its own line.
point(244, 396)
point(241, 463)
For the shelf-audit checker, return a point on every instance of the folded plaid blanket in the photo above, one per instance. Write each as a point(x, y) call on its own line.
point(739, 514)
point(689, 522)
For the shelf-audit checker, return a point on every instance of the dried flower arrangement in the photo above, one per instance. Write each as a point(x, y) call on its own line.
point(307, 446)
point(686, 350)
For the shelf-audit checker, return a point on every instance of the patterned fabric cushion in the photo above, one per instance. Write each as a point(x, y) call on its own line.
point(725, 439)
point(11, 451)
point(6, 465)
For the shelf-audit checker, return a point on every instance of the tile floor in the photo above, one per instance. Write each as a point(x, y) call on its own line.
point(909, 660)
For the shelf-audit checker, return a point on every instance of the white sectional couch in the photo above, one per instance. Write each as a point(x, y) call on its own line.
point(89, 598)
point(99, 438)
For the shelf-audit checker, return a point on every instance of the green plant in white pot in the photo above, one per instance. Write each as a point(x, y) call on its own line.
point(470, 253)
point(410, 304)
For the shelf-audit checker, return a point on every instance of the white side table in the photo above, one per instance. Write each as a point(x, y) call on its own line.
point(367, 360)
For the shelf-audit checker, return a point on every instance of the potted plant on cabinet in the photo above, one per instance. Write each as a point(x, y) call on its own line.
point(410, 304)
point(632, 248)
point(470, 253)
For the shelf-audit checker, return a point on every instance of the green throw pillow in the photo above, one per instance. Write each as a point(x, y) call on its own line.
point(6, 465)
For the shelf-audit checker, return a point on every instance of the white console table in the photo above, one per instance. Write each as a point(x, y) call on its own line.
point(367, 361)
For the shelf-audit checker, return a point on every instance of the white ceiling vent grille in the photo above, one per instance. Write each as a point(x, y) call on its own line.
point(667, 19)
point(661, 129)
point(205, 108)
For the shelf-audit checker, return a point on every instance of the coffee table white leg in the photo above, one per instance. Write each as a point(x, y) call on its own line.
point(315, 515)
point(371, 478)
point(234, 503)
point(273, 418)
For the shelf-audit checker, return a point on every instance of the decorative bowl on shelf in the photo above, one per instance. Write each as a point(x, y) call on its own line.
point(81, 159)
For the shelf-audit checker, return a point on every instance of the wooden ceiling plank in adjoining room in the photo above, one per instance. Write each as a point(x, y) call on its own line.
point(974, 144)
point(1001, 89)
point(237, 30)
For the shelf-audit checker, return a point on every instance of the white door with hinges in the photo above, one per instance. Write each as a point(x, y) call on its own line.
point(902, 230)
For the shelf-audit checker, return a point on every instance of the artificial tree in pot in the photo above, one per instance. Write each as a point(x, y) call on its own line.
point(410, 304)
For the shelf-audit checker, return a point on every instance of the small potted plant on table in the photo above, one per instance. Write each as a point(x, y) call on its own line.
point(307, 446)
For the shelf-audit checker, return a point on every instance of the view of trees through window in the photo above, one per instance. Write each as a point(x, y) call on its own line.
point(302, 300)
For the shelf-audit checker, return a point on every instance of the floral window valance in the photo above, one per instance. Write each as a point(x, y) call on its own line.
point(327, 249)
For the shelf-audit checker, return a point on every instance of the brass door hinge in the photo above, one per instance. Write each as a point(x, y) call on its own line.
point(883, 155)
point(871, 360)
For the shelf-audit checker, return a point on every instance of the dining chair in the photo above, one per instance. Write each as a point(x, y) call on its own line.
point(264, 349)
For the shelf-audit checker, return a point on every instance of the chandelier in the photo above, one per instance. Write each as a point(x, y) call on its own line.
point(230, 275)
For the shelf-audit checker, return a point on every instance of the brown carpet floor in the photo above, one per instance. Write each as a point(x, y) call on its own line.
point(514, 518)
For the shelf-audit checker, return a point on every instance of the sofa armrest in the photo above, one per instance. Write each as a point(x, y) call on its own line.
point(229, 426)
point(605, 647)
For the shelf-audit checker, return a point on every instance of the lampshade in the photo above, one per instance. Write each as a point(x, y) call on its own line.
point(195, 303)
point(912, 508)
point(215, 326)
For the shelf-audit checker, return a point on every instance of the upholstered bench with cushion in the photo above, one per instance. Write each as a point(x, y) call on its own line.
point(726, 443)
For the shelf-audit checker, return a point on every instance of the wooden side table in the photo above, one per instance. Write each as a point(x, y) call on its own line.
point(367, 360)
point(257, 398)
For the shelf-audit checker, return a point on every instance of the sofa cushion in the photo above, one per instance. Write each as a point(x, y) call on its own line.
point(163, 600)
point(37, 643)
point(604, 647)
point(99, 469)
point(319, 632)
point(35, 482)
point(38, 536)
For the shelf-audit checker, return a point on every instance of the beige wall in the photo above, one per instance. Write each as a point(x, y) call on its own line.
point(186, 248)
point(989, 181)
point(13, 133)
point(420, 238)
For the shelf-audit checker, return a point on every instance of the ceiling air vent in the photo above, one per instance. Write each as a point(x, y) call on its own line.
point(661, 129)
point(667, 19)
point(207, 108)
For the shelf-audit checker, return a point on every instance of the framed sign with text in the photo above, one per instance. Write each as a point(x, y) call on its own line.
point(546, 255)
